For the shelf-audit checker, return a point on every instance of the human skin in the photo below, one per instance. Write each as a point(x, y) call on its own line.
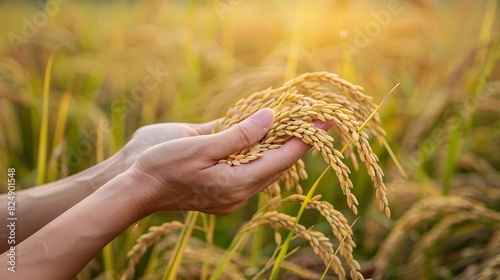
point(52, 199)
point(164, 167)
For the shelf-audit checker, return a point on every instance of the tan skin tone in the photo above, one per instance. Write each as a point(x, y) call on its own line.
point(165, 167)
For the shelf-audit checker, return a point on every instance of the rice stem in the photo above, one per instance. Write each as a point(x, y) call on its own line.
point(44, 127)
point(59, 132)
point(283, 252)
point(178, 252)
point(209, 226)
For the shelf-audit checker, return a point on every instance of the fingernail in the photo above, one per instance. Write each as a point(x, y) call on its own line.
point(264, 117)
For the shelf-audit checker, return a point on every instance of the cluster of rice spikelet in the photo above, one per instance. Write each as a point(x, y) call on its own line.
point(338, 223)
point(492, 270)
point(318, 241)
point(310, 97)
point(438, 215)
point(154, 234)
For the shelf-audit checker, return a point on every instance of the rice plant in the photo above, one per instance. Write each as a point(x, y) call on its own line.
point(428, 152)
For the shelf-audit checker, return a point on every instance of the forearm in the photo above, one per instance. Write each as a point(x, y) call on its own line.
point(65, 245)
point(37, 206)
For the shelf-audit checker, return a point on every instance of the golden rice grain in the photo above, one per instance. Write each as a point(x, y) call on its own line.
point(300, 102)
point(340, 228)
point(145, 241)
point(491, 270)
point(318, 241)
point(442, 211)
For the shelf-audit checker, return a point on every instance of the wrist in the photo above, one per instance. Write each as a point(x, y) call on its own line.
point(118, 163)
point(125, 187)
point(142, 187)
point(130, 153)
point(101, 173)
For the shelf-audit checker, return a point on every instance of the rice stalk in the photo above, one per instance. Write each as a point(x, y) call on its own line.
point(57, 143)
point(240, 266)
point(176, 259)
point(293, 230)
point(225, 260)
point(43, 138)
point(489, 18)
point(193, 266)
point(492, 269)
point(462, 124)
point(154, 234)
point(426, 252)
point(443, 212)
point(319, 243)
point(118, 120)
point(208, 228)
point(338, 223)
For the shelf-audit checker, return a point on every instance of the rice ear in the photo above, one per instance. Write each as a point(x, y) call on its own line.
point(302, 101)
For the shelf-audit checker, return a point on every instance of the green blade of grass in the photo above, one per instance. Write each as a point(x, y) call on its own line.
point(291, 233)
point(237, 241)
point(369, 117)
point(452, 158)
point(394, 158)
point(59, 132)
point(44, 127)
point(154, 257)
point(462, 124)
point(42, 141)
point(336, 252)
point(384, 141)
point(178, 253)
point(489, 18)
point(258, 236)
point(209, 227)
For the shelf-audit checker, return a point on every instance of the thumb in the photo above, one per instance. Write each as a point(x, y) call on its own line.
point(242, 135)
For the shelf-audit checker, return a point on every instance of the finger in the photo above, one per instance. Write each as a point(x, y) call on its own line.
point(204, 128)
point(240, 136)
point(274, 162)
point(266, 170)
point(324, 125)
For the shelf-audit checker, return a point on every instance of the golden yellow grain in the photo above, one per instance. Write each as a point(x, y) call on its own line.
point(294, 118)
point(443, 212)
point(492, 269)
point(340, 228)
point(319, 242)
point(145, 241)
point(298, 104)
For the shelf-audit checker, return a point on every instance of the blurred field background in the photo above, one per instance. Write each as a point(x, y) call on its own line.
point(442, 122)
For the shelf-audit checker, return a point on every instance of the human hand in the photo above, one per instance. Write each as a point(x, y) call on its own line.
point(153, 134)
point(183, 174)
